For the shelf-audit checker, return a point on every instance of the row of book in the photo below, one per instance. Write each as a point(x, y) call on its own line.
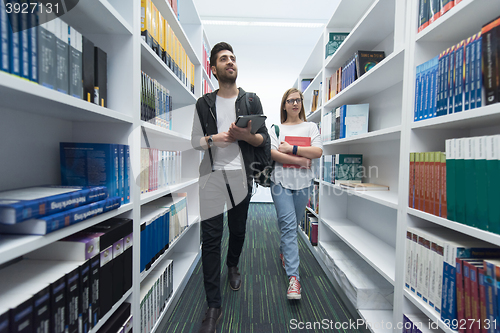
point(340, 168)
point(206, 59)
point(427, 182)
point(473, 180)
point(43, 209)
point(159, 169)
point(451, 82)
point(455, 276)
point(69, 285)
point(310, 227)
point(161, 38)
point(344, 122)
point(97, 164)
point(42, 48)
point(313, 202)
point(205, 86)
point(431, 10)
point(358, 64)
point(156, 291)
point(156, 102)
point(162, 221)
point(335, 39)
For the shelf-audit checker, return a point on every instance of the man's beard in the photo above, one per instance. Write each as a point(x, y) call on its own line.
point(226, 79)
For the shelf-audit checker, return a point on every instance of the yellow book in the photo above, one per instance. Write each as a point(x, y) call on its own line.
point(146, 22)
point(154, 27)
point(161, 35)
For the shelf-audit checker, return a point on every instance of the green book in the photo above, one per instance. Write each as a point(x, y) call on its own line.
point(348, 168)
point(481, 183)
point(450, 179)
point(470, 182)
point(493, 174)
point(335, 40)
point(460, 180)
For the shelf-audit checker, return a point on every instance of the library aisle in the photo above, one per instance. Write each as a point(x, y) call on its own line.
point(261, 304)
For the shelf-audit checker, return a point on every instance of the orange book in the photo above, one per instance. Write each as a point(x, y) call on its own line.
point(301, 141)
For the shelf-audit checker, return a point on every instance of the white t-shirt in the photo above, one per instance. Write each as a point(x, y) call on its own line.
point(227, 158)
point(294, 178)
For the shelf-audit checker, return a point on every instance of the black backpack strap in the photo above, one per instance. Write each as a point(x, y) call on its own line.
point(249, 97)
point(202, 123)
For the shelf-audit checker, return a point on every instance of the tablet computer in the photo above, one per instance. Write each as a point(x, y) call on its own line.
point(257, 121)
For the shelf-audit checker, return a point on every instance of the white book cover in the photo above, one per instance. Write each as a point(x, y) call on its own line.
point(356, 119)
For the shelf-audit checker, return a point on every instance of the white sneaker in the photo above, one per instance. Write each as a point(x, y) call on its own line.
point(294, 289)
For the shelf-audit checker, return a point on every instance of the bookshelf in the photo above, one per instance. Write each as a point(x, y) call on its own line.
point(373, 224)
point(34, 119)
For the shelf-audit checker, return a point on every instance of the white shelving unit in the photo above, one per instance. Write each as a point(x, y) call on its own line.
point(34, 119)
point(373, 224)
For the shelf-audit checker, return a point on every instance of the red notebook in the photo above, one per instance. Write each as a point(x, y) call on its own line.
point(302, 141)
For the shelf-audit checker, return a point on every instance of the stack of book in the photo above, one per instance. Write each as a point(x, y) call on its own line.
point(343, 168)
point(97, 164)
point(156, 103)
point(69, 285)
point(156, 291)
point(44, 209)
point(161, 38)
point(454, 275)
point(344, 122)
point(162, 221)
point(38, 46)
point(358, 64)
point(159, 169)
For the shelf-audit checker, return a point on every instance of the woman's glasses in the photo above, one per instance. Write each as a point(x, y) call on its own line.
point(293, 101)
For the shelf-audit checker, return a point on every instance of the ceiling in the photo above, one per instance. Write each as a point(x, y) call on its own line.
point(269, 58)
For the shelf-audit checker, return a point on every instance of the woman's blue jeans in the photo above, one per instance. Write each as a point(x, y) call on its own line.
point(290, 208)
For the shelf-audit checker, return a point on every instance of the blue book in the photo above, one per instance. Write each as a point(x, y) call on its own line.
point(121, 171)
point(479, 73)
point(426, 90)
point(467, 74)
point(48, 224)
point(433, 87)
point(33, 46)
point(342, 124)
point(127, 174)
point(14, 42)
point(472, 73)
point(459, 76)
point(90, 164)
point(439, 84)
point(4, 41)
point(451, 79)
point(142, 259)
point(24, 41)
point(446, 82)
point(417, 93)
point(422, 92)
point(491, 304)
point(33, 202)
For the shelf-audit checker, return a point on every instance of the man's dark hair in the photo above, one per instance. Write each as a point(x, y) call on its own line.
point(216, 49)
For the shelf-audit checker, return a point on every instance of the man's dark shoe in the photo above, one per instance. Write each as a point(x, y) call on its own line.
point(212, 317)
point(234, 278)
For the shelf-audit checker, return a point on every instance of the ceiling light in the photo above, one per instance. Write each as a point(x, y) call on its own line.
point(264, 24)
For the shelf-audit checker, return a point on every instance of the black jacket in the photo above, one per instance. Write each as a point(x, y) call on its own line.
point(207, 114)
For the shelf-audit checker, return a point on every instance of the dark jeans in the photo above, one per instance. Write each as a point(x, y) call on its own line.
point(213, 197)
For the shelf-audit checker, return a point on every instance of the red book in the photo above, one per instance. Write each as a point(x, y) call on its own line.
point(481, 272)
point(412, 180)
point(475, 302)
point(301, 141)
point(460, 295)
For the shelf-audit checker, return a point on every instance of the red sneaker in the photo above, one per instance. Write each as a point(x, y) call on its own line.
point(294, 289)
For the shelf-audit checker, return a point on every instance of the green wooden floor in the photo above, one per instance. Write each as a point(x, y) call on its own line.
point(261, 304)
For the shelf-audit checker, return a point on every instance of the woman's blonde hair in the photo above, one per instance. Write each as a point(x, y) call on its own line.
point(302, 113)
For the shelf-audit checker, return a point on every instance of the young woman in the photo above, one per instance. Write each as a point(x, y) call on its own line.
point(290, 185)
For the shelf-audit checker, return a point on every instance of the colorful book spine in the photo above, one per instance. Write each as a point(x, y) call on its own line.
point(472, 72)
point(466, 72)
point(459, 77)
point(479, 72)
point(492, 169)
point(48, 224)
point(450, 179)
point(480, 165)
point(459, 177)
point(470, 182)
point(489, 54)
point(411, 196)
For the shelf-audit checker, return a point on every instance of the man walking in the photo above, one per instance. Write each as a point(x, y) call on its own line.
point(225, 174)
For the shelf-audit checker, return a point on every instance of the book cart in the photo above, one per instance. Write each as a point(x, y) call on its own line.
point(372, 225)
point(34, 119)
